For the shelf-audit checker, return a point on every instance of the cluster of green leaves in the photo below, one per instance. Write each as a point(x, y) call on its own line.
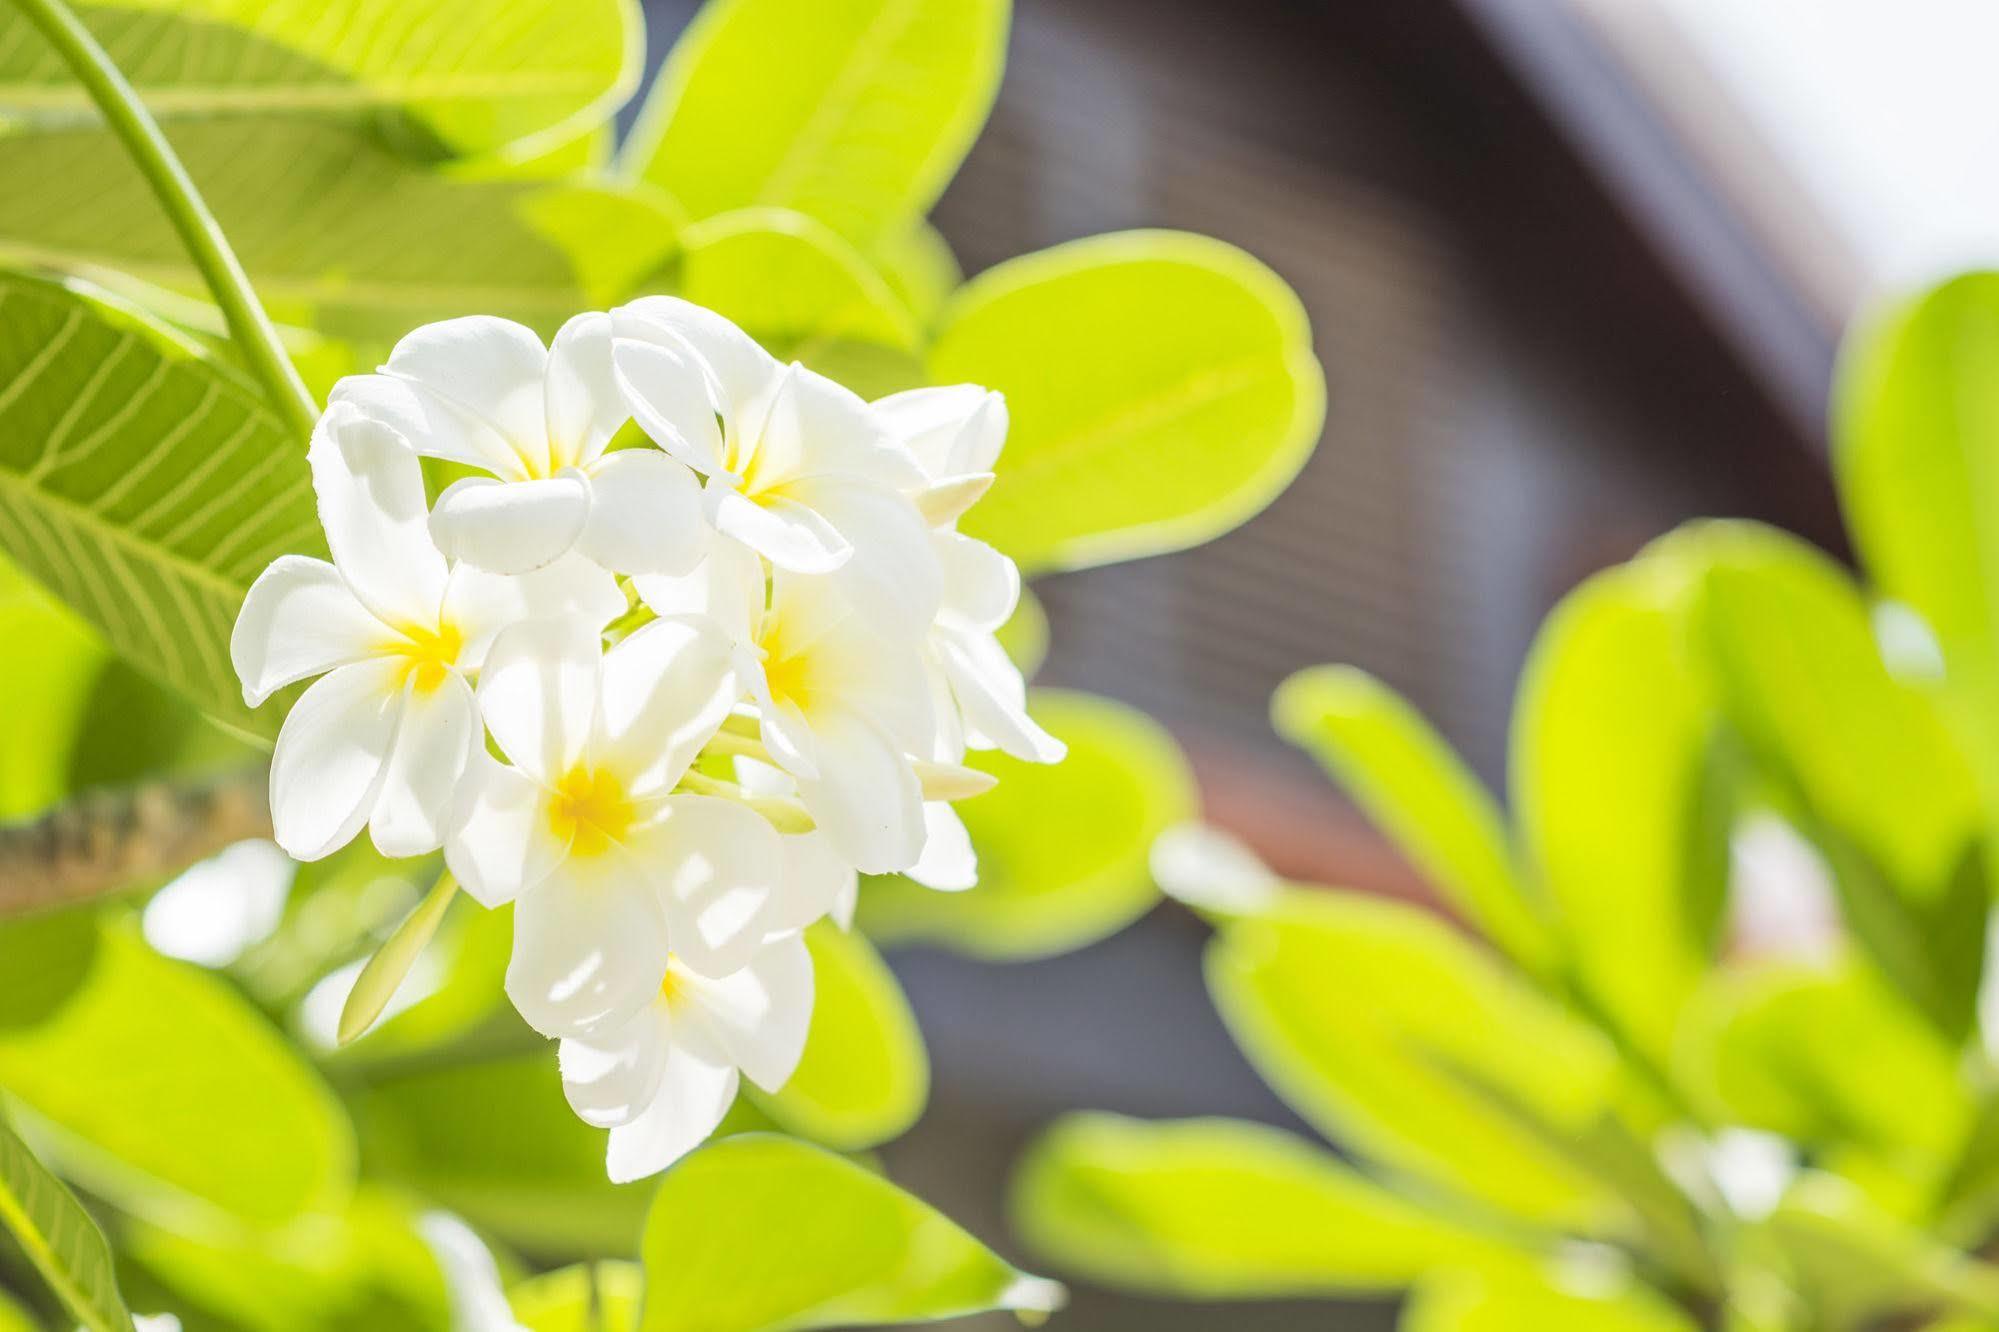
point(1618, 1108)
point(376, 165)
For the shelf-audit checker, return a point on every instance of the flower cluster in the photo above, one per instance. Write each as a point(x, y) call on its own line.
point(690, 641)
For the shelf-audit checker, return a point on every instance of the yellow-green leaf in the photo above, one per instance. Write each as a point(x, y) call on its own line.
point(56, 1235)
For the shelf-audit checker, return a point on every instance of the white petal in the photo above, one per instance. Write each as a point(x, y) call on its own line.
point(727, 587)
point(581, 398)
point(423, 788)
point(503, 846)
point(782, 530)
point(432, 426)
point(510, 527)
point(819, 428)
point(865, 798)
point(299, 619)
point(993, 698)
point(486, 367)
point(741, 374)
point(481, 604)
point(816, 881)
point(981, 586)
point(645, 514)
point(665, 690)
point(842, 913)
point(589, 946)
point(612, 1077)
point(849, 661)
point(538, 691)
point(893, 578)
point(330, 757)
point(693, 1095)
point(718, 865)
point(951, 430)
point(760, 1015)
point(944, 503)
point(669, 392)
point(371, 503)
point(948, 862)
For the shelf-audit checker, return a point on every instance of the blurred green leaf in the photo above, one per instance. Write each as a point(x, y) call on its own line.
point(59, 1238)
point(1521, 1301)
point(1368, 1017)
point(1025, 636)
point(143, 484)
point(1220, 1209)
point(47, 675)
point(472, 948)
point(45, 958)
point(156, 1075)
point(856, 112)
point(363, 1269)
point(1062, 848)
point(600, 1297)
point(920, 268)
point(1854, 1264)
point(481, 73)
point(13, 1318)
point(391, 964)
point(1612, 735)
point(865, 1076)
point(1916, 449)
point(496, 1142)
point(336, 233)
point(1162, 389)
point(1411, 783)
point(759, 1231)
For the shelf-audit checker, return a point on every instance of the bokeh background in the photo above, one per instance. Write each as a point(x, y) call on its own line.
point(1576, 271)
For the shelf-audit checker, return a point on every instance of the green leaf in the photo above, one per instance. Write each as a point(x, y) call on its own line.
point(1369, 1017)
point(1856, 1264)
point(1916, 435)
point(1220, 1209)
point(336, 233)
point(865, 1076)
point(13, 1318)
point(1410, 783)
point(46, 674)
point(1025, 636)
point(142, 483)
point(1162, 390)
point(378, 980)
point(1612, 735)
point(920, 269)
point(155, 1075)
point(759, 1231)
point(1519, 1300)
point(856, 113)
point(1062, 848)
point(602, 1297)
point(532, 1175)
point(480, 74)
point(59, 1238)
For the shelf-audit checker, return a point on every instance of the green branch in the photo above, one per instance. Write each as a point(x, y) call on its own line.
point(249, 326)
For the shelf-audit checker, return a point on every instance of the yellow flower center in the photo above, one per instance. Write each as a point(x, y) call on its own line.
point(671, 987)
point(428, 656)
point(590, 811)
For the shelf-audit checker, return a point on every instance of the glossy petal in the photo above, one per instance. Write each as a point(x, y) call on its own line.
point(760, 1014)
point(727, 587)
point(371, 502)
point(993, 698)
point(819, 428)
point(694, 1093)
point(717, 865)
point(669, 392)
point(510, 527)
point(300, 619)
point(583, 405)
point(665, 690)
point(486, 367)
point(503, 846)
point(981, 586)
point(865, 798)
point(481, 604)
point(948, 863)
point(423, 790)
point(893, 578)
point(432, 426)
point(589, 946)
point(950, 431)
point(645, 514)
point(816, 881)
point(611, 1078)
point(331, 755)
point(538, 692)
point(785, 532)
point(741, 375)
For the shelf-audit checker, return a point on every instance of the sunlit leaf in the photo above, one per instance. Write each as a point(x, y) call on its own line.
point(1217, 1208)
point(920, 268)
point(856, 112)
point(154, 1075)
point(1372, 1018)
point(1162, 390)
point(143, 484)
point(1062, 849)
point(759, 1231)
point(480, 73)
point(1521, 1301)
point(1856, 1264)
point(1411, 783)
point(601, 1297)
point(55, 1234)
point(865, 1076)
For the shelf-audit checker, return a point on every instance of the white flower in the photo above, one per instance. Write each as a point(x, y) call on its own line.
point(471, 1276)
point(817, 881)
point(799, 469)
point(662, 1079)
point(955, 434)
point(484, 392)
point(385, 737)
point(609, 867)
point(843, 707)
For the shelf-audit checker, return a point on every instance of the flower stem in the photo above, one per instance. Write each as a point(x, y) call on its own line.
point(249, 326)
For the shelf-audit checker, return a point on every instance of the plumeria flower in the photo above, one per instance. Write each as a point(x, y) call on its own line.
point(982, 590)
point(955, 434)
point(799, 469)
point(843, 706)
point(662, 1079)
point(394, 630)
point(608, 869)
point(818, 882)
point(484, 393)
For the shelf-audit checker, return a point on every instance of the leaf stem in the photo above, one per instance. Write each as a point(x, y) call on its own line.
point(249, 326)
